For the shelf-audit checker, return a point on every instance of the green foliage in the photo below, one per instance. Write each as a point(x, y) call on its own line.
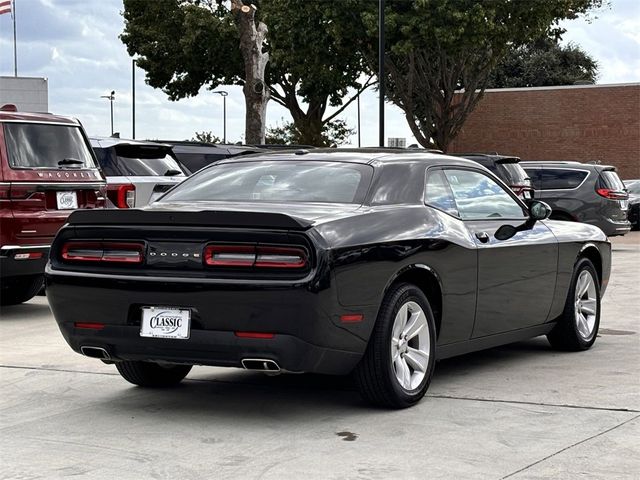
point(184, 45)
point(205, 137)
point(544, 62)
point(435, 47)
point(334, 133)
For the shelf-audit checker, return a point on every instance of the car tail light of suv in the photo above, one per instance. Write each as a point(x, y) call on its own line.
point(612, 194)
point(260, 256)
point(111, 252)
point(122, 195)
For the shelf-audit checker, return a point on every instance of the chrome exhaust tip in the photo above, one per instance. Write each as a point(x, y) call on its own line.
point(95, 352)
point(260, 364)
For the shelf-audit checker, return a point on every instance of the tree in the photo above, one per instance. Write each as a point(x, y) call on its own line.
point(205, 137)
point(189, 44)
point(440, 53)
point(334, 133)
point(544, 62)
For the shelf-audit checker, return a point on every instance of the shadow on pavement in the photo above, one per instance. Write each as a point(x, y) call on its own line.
point(23, 311)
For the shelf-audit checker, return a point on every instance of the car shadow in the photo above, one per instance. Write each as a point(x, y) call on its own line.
point(247, 396)
point(23, 311)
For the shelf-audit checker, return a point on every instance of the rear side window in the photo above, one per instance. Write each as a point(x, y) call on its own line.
point(37, 145)
point(438, 194)
point(138, 160)
point(609, 179)
point(558, 178)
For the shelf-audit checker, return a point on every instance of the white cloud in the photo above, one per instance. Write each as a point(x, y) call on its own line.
point(75, 44)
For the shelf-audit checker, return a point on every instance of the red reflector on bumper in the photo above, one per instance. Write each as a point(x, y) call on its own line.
point(28, 256)
point(89, 325)
point(254, 335)
point(352, 318)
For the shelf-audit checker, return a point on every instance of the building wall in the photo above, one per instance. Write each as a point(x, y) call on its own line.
point(585, 123)
point(29, 94)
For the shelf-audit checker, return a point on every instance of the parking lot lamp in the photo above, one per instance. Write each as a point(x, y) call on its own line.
point(111, 98)
point(223, 94)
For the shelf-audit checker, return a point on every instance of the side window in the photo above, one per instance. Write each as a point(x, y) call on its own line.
point(534, 176)
point(478, 196)
point(560, 179)
point(438, 194)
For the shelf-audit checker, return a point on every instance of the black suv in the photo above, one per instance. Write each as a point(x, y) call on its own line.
point(506, 168)
point(582, 192)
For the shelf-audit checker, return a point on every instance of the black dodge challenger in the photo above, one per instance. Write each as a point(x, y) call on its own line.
point(366, 262)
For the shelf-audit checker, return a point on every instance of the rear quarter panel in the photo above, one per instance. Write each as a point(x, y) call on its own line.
point(369, 250)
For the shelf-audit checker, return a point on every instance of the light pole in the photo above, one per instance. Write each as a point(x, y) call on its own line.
point(111, 98)
point(223, 94)
point(381, 72)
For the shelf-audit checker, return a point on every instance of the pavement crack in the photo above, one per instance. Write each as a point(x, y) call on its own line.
point(540, 404)
point(571, 446)
point(53, 369)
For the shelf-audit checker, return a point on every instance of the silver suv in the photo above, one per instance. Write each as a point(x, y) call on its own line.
point(582, 192)
point(137, 172)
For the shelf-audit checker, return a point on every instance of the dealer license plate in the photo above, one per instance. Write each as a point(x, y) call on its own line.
point(165, 322)
point(67, 200)
point(526, 194)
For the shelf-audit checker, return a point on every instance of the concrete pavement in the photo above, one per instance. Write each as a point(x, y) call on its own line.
point(520, 411)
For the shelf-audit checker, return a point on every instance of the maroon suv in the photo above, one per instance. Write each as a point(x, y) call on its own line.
point(47, 170)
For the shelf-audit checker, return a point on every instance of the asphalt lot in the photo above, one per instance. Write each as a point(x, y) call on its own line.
point(520, 411)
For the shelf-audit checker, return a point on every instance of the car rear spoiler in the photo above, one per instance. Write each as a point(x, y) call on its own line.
point(207, 218)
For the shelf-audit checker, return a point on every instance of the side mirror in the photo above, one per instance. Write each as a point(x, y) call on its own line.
point(539, 210)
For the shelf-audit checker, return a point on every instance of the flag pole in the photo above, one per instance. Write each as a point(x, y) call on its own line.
point(15, 45)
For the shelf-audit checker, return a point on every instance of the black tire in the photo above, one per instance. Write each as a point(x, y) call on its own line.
point(566, 335)
point(148, 374)
point(375, 375)
point(21, 290)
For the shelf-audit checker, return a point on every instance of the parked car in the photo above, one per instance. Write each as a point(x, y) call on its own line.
point(633, 188)
point(327, 261)
point(137, 172)
point(196, 155)
point(507, 169)
point(582, 192)
point(47, 170)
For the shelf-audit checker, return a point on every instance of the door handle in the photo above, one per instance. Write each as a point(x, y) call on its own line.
point(482, 236)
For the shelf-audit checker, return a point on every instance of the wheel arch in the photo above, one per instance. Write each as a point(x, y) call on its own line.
point(427, 280)
point(591, 252)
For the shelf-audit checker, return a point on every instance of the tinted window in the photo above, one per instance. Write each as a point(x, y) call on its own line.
point(276, 181)
point(534, 177)
point(512, 174)
point(36, 145)
point(478, 196)
point(559, 178)
point(134, 160)
point(610, 180)
point(438, 193)
point(400, 183)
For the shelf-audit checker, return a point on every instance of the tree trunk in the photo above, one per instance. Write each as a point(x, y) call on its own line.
point(256, 93)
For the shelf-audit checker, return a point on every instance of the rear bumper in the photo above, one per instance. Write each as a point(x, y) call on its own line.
point(12, 267)
point(308, 336)
point(612, 228)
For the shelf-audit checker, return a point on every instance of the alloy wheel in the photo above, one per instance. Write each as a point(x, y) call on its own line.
point(410, 346)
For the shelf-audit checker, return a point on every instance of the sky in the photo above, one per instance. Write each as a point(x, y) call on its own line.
point(75, 44)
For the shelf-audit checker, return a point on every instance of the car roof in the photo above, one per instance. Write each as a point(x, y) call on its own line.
point(355, 155)
point(29, 117)
point(106, 142)
point(489, 157)
point(566, 164)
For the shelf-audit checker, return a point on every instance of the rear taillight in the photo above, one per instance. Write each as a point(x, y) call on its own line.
point(255, 256)
point(112, 252)
point(122, 195)
point(612, 194)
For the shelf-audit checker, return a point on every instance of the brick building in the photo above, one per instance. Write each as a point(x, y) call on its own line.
point(579, 122)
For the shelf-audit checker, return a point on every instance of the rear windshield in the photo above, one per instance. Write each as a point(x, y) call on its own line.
point(138, 160)
point(610, 180)
point(513, 174)
point(276, 181)
point(556, 178)
point(37, 145)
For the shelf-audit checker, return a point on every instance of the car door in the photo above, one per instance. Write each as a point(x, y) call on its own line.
point(516, 276)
